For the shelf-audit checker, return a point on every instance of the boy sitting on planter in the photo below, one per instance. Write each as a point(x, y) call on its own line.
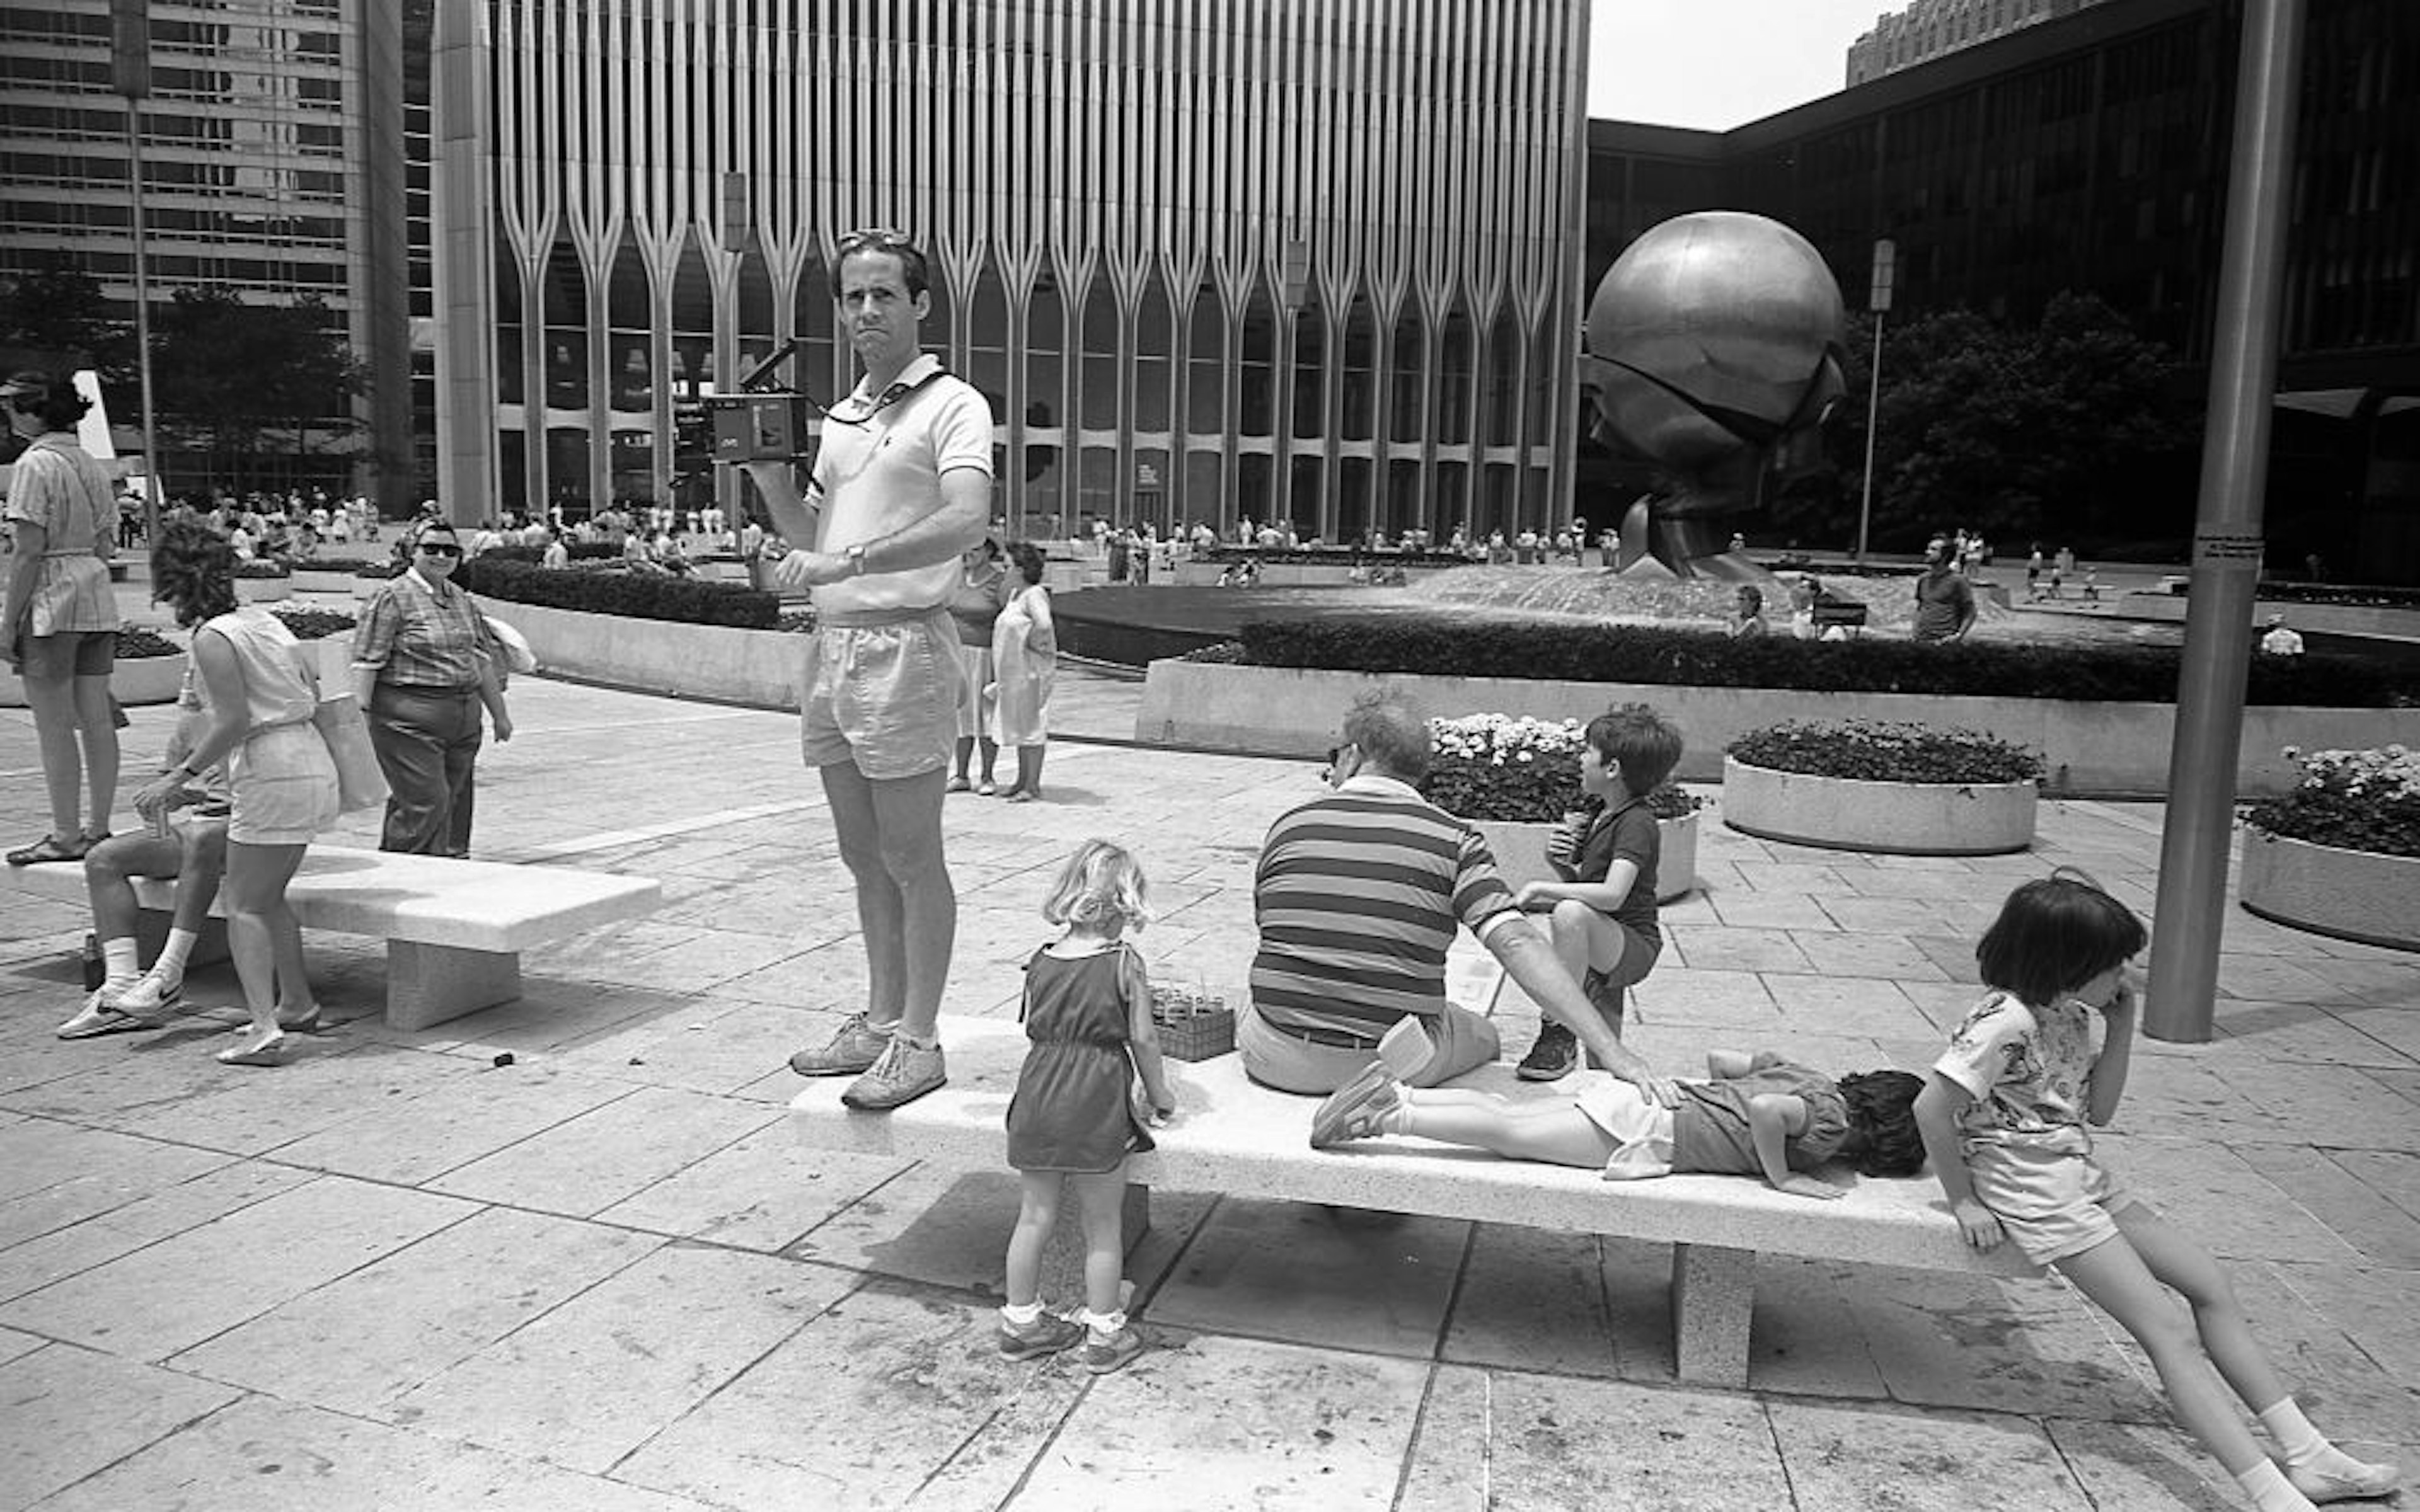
point(1601, 908)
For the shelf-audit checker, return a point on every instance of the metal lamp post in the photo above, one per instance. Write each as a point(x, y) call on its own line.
point(1878, 300)
point(129, 71)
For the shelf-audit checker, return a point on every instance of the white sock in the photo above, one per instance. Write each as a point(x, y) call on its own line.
point(1021, 1317)
point(2295, 1438)
point(1398, 1119)
point(2270, 1490)
point(119, 959)
point(173, 955)
point(1104, 1325)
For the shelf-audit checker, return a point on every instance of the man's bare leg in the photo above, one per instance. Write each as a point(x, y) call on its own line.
point(890, 837)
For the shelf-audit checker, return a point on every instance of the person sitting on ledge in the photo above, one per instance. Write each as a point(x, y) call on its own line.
point(1357, 894)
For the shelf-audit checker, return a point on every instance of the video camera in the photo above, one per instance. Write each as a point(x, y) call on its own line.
point(761, 424)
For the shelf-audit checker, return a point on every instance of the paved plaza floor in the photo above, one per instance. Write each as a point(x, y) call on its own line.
point(396, 1274)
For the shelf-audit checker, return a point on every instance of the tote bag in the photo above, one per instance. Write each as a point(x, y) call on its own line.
point(359, 783)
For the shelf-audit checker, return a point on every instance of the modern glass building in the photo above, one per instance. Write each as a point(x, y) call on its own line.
point(2091, 152)
point(271, 161)
point(1316, 261)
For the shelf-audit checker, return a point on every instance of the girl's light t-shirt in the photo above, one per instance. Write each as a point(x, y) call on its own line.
point(2028, 1070)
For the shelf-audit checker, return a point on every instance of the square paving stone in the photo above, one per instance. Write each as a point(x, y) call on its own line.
point(1852, 1459)
point(1496, 1439)
point(886, 1400)
point(66, 1173)
point(587, 1162)
point(70, 1412)
point(368, 1337)
point(2143, 1468)
point(1534, 1300)
point(169, 1296)
point(130, 1226)
point(596, 1377)
point(477, 1111)
point(763, 1193)
point(1724, 947)
point(1264, 1427)
point(267, 1455)
point(1337, 1277)
point(328, 1084)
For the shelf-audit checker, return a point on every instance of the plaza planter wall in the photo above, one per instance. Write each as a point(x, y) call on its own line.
point(758, 668)
point(2352, 895)
point(263, 590)
point(1520, 851)
point(136, 680)
point(1896, 818)
point(2098, 749)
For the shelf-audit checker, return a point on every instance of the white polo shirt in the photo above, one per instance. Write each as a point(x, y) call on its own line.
point(881, 476)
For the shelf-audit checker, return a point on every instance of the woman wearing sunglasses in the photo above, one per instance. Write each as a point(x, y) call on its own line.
point(424, 663)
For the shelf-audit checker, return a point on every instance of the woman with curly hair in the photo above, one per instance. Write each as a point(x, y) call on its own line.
point(258, 689)
point(59, 625)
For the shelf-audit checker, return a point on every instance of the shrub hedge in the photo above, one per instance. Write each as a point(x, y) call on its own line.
point(1884, 750)
point(135, 644)
point(1697, 659)
point(640, 595)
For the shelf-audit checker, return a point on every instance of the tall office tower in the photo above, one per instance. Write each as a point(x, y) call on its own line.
point(1315, 261)
point(1929, 28)
point(272, 164)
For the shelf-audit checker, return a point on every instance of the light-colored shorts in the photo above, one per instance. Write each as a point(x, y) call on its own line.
point(974, 704)
point(1640, 1129)
point(68, 654)
point(2053, 1198)
point(285, 786)
point(881, 691)
point(1292, 1062)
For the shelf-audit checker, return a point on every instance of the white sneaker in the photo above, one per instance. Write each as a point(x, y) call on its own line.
point(152, 997)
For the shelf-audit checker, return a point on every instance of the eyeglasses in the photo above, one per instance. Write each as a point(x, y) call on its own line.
point(431, 550)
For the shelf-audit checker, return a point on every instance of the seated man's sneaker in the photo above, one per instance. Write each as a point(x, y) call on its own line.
point(2340, 1477)
point(1556, 1052)
point(854, 1049)
point(153, 998)
point(1353, 1111)
point(903, 1073)
point(1047, 1335)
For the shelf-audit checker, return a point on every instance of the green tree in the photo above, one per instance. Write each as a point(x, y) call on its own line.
point(234, 376)
point(2071, 430)
point(62, 312)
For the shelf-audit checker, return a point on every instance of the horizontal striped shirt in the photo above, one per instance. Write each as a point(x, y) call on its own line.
point(1357, 895)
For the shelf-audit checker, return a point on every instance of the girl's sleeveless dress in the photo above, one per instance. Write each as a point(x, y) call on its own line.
point(1073, 1109)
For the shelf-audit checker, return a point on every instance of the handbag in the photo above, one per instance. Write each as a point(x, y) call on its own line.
point(518, 655)
point(360, 781)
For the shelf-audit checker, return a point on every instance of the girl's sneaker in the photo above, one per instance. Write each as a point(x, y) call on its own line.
point(1047, 1335)
point(1116, 1352)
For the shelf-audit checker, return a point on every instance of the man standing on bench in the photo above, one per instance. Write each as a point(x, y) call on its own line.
point(1358, 893)
point(903, 487)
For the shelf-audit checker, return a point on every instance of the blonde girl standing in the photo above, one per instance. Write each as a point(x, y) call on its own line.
point(1071, 1121)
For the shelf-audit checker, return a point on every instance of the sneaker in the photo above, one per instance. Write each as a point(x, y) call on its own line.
point(958, 784)
point(2344, 1482)
point(1353, 1109)
point(1552, 1057)
point(152, 997)
point(1116, 1352)
point(1047, 1335)
point(854, 1048)
point(903, 1073)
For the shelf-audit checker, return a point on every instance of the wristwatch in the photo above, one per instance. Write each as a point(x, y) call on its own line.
point(856, 555)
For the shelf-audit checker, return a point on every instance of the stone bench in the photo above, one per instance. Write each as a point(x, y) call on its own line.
point(1237, 1137)
point(454, 930)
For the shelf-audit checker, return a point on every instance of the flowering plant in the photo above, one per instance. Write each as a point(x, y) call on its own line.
point(1881, 750)
point(1496, 767)
point(2356, 800)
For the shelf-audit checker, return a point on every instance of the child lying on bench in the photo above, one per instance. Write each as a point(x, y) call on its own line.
point(1756, 1116)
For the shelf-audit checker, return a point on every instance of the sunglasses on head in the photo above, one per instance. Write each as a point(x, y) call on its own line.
point(878, 237)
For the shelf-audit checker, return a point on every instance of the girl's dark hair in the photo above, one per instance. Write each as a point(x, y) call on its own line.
point(49, 396)
point(1028, 559)
point(1883, 1139)
point(2053, 934)
point(192, 571)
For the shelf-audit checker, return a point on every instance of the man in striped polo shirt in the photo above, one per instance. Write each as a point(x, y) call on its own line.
point(1357, 894)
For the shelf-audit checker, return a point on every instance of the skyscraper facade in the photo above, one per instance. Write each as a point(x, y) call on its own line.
point(1209, 258)
point(1928, 29)
point(271, 155)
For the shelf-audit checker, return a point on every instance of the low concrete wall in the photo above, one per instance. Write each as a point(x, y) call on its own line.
point(2093, 749)
point(758, 668)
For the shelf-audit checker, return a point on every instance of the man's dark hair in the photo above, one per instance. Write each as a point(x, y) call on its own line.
point(913, 271)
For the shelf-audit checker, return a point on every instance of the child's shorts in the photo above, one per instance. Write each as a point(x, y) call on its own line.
point(1640, 1129)
point(2054, 1200)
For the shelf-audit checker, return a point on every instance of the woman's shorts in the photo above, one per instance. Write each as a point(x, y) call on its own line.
point(70, 654)
point(285, 786)
point(2053, 1201)
point(974, 704)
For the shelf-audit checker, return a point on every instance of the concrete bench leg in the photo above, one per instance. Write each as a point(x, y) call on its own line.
point(1714, 1292)
point(428, 984)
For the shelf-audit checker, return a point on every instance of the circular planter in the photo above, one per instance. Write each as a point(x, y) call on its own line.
point(1520, 851)
point(133, 679)
point(2350, 895)
point(1896, 818)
